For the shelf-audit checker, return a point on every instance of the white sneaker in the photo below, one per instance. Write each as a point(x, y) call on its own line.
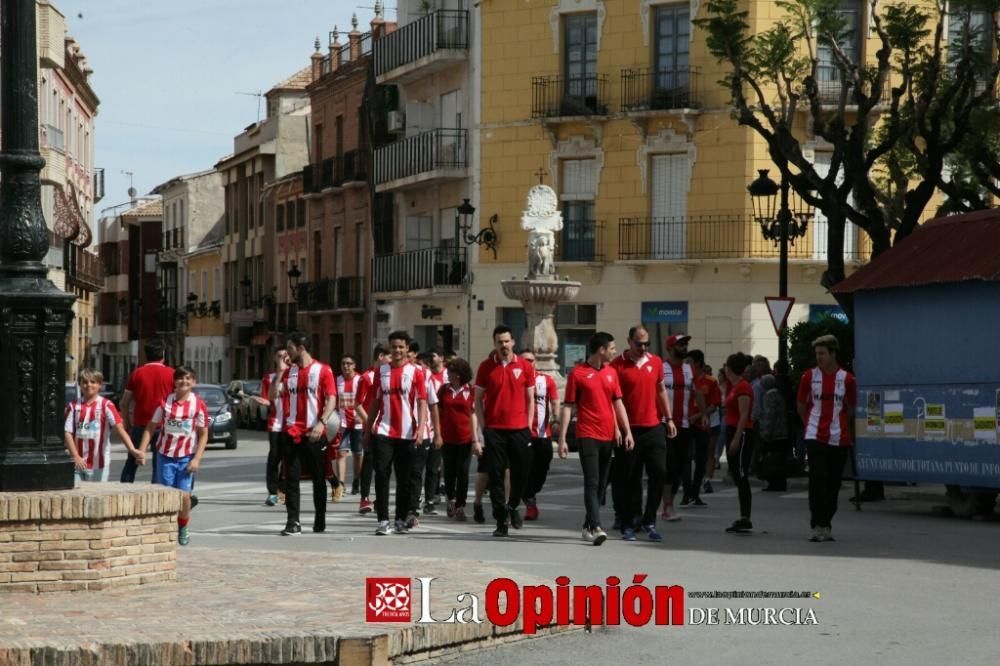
point(587, 535)
point(818, 535)
point(828, 534)
point(383, 528)
point(600, 536)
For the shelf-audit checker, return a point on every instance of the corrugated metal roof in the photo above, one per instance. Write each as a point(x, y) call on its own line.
point(956, 248)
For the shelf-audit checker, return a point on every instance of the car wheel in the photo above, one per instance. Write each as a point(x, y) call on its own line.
point(231, 443)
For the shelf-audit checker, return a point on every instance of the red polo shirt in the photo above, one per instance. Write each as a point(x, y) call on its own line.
point(455, 407)
point(594, 392)
point(150, 385)
point(640, 382)
point(506, 386)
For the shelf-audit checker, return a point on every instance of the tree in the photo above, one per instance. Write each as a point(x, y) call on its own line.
point(917, 117)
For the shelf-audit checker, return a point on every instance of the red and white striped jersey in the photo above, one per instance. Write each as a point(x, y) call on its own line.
point(179, 421)
point(400, 391)
point(277, 408)
point(305, 393)
point(435, 380)
point(91, 424)
point(829, 399)
point(545, 390)
point(679, 380)
point(347, 396)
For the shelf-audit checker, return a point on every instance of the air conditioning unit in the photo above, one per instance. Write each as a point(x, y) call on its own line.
point(396, 121)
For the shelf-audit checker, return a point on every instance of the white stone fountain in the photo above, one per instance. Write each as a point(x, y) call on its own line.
point(541, 290)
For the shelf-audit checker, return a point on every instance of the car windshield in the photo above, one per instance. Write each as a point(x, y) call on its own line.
point(212, 395)
point(252, 388)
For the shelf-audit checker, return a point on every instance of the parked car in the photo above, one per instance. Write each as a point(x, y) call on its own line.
point(221, 417)
point(72, 392)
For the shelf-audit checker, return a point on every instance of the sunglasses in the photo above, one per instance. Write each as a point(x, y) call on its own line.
point(644, 345)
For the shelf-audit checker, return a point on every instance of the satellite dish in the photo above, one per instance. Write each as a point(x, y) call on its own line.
point(132, 192)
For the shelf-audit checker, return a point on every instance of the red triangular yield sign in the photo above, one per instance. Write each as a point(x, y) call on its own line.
point(779, 307)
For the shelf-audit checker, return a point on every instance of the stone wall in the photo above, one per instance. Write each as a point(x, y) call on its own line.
point(93, 537)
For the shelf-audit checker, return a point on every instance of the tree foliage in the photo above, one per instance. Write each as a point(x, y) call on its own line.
point(917, 115)
point(801, 355)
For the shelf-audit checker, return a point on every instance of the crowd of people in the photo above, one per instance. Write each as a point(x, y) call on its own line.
point(640, 424)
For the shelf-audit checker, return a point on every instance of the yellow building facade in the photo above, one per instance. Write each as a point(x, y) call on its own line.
point(206, 343)
point(616, 105)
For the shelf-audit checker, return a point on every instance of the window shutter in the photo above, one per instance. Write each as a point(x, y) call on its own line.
point(579, 180)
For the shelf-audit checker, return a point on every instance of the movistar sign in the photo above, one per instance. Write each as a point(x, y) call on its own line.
point(664, 311)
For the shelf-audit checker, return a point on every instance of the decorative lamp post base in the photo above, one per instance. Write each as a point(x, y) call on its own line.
point(35, 317)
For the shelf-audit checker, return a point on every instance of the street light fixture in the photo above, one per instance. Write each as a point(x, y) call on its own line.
point(487, 235)
point(293, 281)
point(781, 224)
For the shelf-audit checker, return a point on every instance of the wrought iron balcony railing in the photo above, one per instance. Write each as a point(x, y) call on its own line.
point(421, 154)
point(331, 294)
point(440, 30)
point(581, 240)
point(559, 96)
point(433, 268)
point(651, 89)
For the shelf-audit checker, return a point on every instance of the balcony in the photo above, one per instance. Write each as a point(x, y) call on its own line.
point(829, 86)
point(646, 89)
point(569, 97)
point(324, 175)
point(711, 237)
point(169, 320)
point(51, 32)
point(421, 47)
point(434, 156)
point(430, 270)
point(356, 169)
point(286, 319)
point(581, 241)
point(83, 269)
point(328, 294)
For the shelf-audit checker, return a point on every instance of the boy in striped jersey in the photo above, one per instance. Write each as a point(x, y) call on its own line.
point(89, 422)
point(182, 420)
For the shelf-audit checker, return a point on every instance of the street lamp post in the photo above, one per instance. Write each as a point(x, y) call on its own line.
point(35, 316)
point(782, 225)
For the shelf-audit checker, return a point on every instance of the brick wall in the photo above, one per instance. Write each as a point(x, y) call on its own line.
point(90, 538)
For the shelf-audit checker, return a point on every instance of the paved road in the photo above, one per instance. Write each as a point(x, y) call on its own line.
point(900, 585)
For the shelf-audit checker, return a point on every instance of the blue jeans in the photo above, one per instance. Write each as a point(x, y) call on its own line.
point(130, 467)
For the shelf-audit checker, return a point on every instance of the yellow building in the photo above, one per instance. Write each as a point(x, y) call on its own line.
point(206, 343)
point(615, 103)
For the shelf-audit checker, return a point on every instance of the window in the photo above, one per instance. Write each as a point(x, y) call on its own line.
point(204, 287)
point(338, 251)
point(578, 184)
point(258, 191)
point(279, 217)
point(850, 42)
point(300, 213)
point(575, 324)
point(359, 250)
point(580, 38)
point(419, 232)
point(318, 254)
point(671, 48)
point(180, 217)
point(318, 143)
point(974, 26)
point(216, 285)
point(446, 228)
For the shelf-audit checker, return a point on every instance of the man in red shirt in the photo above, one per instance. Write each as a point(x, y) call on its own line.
point(505, 405)
point(706, 387)
point(678, 377)
point(640, 375)
point(309, 400)
point(826, 401)
point(546, 408)
point(147, 387)
point(601, 423)
point(397, 409)
point(351, 427)
point(366, 384)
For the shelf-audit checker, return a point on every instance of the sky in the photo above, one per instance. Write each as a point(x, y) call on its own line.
point(169, 73)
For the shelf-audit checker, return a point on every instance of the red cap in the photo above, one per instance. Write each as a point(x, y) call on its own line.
point(674, 339)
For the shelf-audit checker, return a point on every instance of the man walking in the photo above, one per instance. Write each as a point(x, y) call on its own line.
point(309, 396)
point(505, 405)
point(546, 408)
point(601, 424)
point(705, 386)
point(147, 387)
point(366, 386)
point(275, 424)
point(826, 401)
point(640, 376)
point(398, 411)
point(679, 380)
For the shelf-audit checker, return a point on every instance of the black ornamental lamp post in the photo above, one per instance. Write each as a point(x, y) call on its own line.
point(294, 274)
point(35, 316)
point(781, 224)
